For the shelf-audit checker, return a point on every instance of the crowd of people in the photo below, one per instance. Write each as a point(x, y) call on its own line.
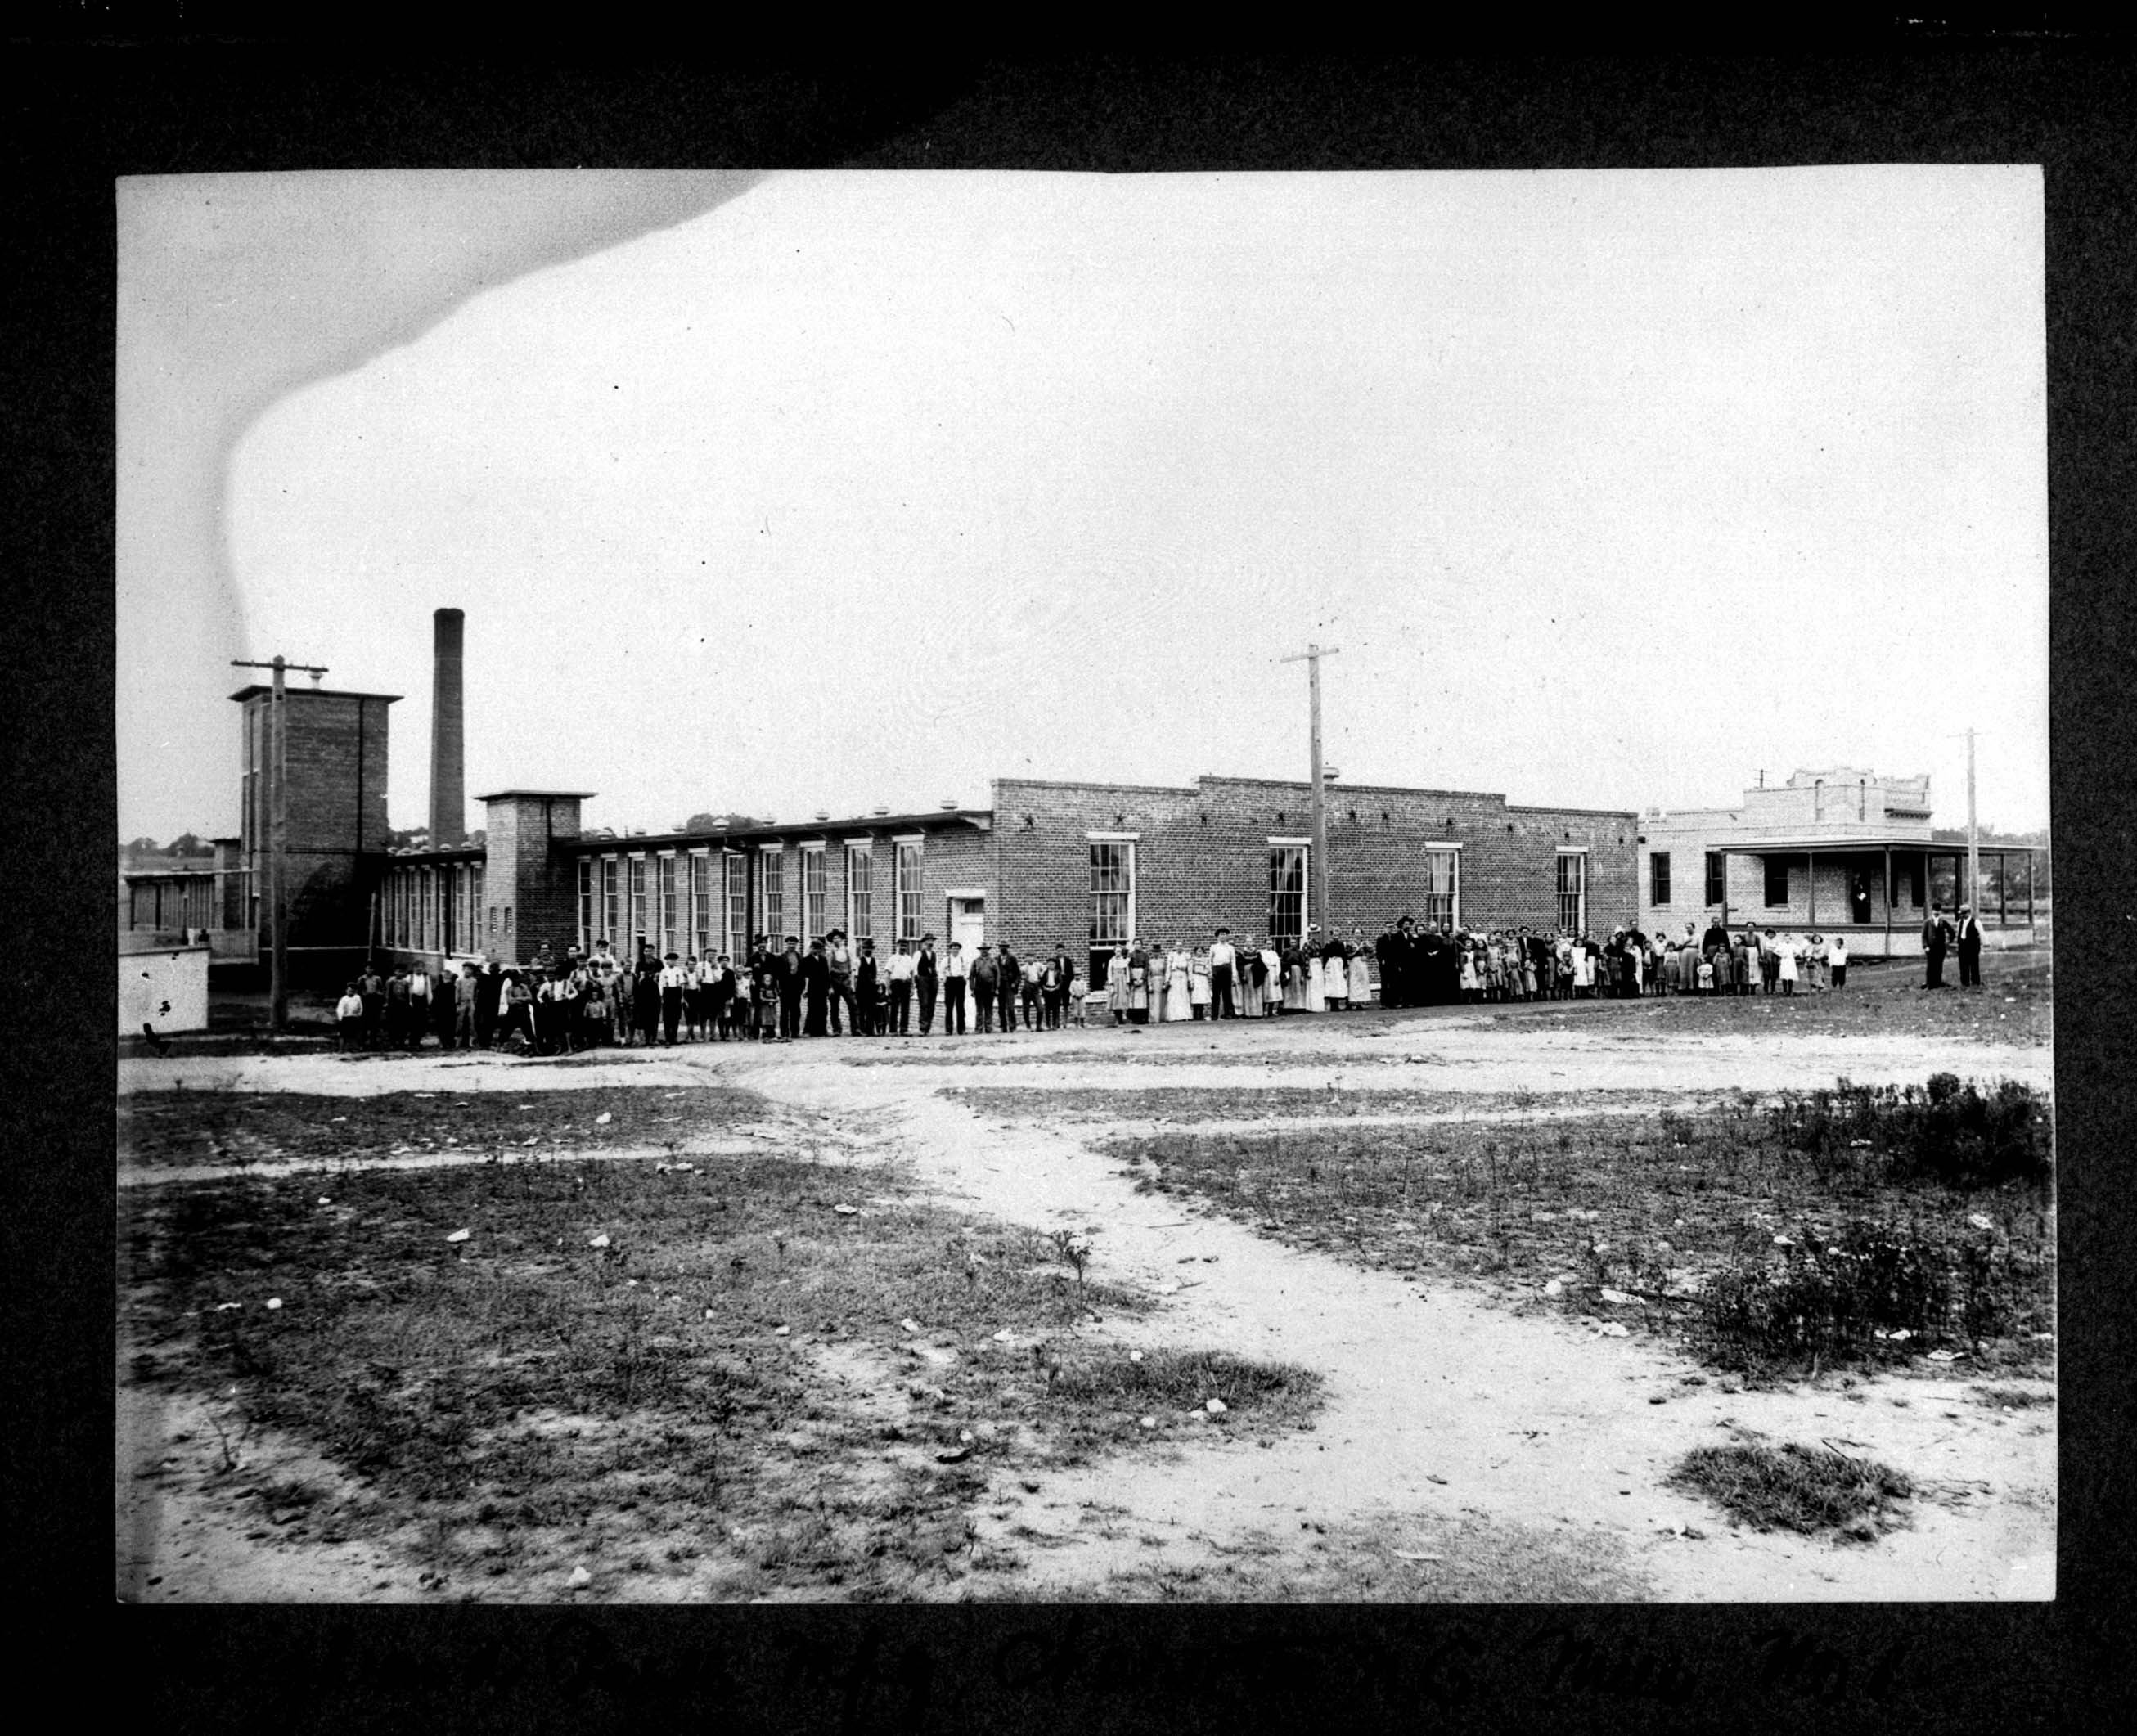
point(780, 993)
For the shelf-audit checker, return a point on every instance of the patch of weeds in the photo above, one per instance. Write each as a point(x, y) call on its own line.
point(178, 1127)
point(2011, 1398)
point(1795, 1488)
point(1097, 1396)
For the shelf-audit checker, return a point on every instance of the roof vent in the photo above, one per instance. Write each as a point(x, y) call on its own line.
point(879, 812)
point(948, 804)
point(822, 814)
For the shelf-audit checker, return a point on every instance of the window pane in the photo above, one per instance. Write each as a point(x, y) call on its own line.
point(586, 903)
point(1717, 880)
point(1112, 891)
point(772, 899)
point(1777, 881)
point(1572, 893)
point(701, 905)
point(860, 894)
point(738, 897)
point(1658, 874)
point(907, 891)
point(1287, 911)
point(814, 922)
point(611, 879)
point(1443, 887)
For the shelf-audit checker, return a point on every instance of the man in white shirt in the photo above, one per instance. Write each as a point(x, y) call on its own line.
point(839, 956)
point(1223, 961)
point(674, 981)
point(899, 974)
point(1836, 959)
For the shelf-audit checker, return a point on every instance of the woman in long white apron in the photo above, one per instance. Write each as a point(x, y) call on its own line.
point(1243, 985)
point(1178, 1006)
point(1361, 969)
point(1316, 1000)
point(1116, 985)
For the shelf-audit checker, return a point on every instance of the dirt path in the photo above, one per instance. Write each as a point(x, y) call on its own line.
point(1440, 1404)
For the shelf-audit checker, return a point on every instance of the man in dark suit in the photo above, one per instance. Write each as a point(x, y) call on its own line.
point(816, 987)
point(1969, 948)
point(1392, 952)
point(927, 979)
point(1936, 938)
point(787, 970)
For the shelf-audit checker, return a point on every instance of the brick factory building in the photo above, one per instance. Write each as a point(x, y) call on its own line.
point(1086, 863)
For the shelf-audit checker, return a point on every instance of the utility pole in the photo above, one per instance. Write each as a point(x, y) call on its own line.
point(277, 758)
point(1972, 832)
point(1317, 865)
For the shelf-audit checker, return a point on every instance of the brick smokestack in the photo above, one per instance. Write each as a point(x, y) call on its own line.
point(448, 734)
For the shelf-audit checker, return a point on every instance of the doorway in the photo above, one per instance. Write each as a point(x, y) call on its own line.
point(968, 922)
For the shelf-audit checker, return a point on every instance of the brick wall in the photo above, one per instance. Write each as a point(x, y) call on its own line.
point(1202, 856)
point(532, 886)
point(336, 757)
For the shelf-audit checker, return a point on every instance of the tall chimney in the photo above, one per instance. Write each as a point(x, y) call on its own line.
point(448, 734)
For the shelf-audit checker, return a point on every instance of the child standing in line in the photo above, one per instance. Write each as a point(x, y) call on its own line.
point(1707, 976)
point(1077, 988)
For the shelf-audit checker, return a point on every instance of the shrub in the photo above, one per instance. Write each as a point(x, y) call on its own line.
point(1878, 1288)
point(1954, 1134)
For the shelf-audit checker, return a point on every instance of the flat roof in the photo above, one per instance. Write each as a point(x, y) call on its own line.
point(292, 690)
point(583, 795)
point(981, 818)
point(1896, 841)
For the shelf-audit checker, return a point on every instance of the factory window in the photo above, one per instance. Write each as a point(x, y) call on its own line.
point(1573, 890)
point(1717, 877)
point(1286, 900)
point(670, 916)
point(585, 904)
point(635, 920)
point(1442, 890)
point(814, 920)
point(772, 896)
point(860, 892)
point(736, 872)
point(905, 891)
point(701, 904)
point(1112, 901)
point(1777, 881)
point(1658, 879)
point(611, 877)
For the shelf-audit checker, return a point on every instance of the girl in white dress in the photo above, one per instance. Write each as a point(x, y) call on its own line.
point(1316, 997)
point(1788, 952)
point(1198, 983)
point(1584, 971)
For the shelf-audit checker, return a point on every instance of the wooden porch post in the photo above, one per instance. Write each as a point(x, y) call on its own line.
point(1888, 901)
point(1811, 874)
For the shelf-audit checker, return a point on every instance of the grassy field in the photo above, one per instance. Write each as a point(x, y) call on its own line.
point(764, 1376)
point(1654, 1224)
point(182, 1128)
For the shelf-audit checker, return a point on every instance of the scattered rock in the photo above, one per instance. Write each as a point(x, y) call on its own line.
point(600, 1241)
point(1615, 1329)
point(603, 1119)
point(274, 1301)
point(1148, 1422)
point(956, 1457)
point(580, 1578)
point(460, 1235)
point(1216, 1406)
point(1135, 1356)
point(847, 1211)
point(324, 1200)
point(910, 1324)
point(1002, 1336)
point(779, 1331)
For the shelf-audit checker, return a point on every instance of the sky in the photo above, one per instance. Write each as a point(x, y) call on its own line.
point(831, 490)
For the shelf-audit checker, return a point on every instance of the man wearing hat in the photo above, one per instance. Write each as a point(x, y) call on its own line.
point(1936, 940)
point(673, 981)
point(1969, 948)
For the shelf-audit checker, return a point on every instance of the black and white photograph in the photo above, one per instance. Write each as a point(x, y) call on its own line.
point(874, 887)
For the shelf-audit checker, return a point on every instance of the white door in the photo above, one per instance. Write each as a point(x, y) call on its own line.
point(968, 923)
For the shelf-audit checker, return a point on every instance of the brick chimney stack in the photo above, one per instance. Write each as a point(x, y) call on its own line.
point(448, 734)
